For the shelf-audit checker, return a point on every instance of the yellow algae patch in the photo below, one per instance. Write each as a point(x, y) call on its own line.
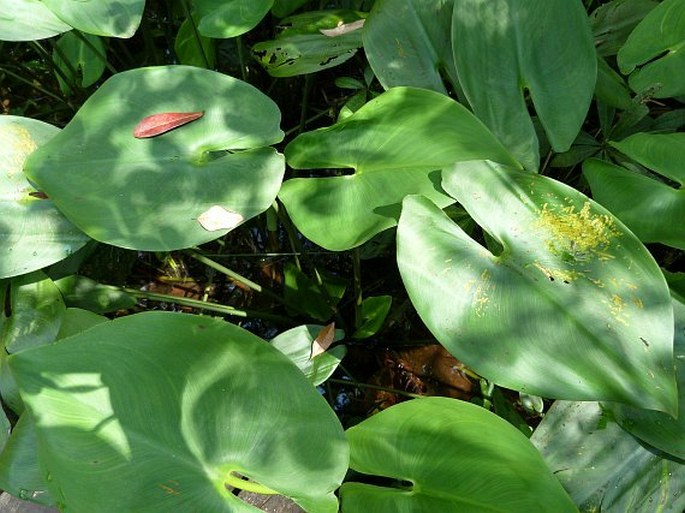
point(577, 236)
point(481, 295)
point(22, 144)
point(616, 307)
point(565, 275)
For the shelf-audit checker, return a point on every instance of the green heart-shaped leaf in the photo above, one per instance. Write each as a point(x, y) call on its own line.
point(34, 233)
point(604, 468)
point(20, 472)
point(35, 308)
point(396, 145)
point(501, 49)
point(407, 43)
point(27, 20)
point(303, 47)
point(229, 18)
point(573, 306)
point(296, 344)
point(80, 60)
point(657, 428)
point(154, 412)
point(653, 51)
point(650, 208)
point(114, 18)
point(453, 457)
point(159, 193)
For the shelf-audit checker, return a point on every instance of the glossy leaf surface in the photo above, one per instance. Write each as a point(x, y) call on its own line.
point(573, 306)
point(501, 50)
point(27, 20)
point(34, 233)
point(305, 295)
point(20, 473)
point(82, 292)
point(82, 63)
point(613, 22)
point(651, 208)
point(229, 18)
point(33, 314)
point(302, 47)
point(657, 428)
point(604, 468)
point(193, 49)
point(112, 18)
point(148, 194)
point(455, 457)
point(296, 344)
point(653, 52)
point(395, 144)
point(217, 400)
point(372, 314)
point(407, 43)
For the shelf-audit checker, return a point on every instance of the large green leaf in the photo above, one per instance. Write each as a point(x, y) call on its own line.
point(573, 306)
point(27, 20)
point(657, 428)
point(613, 22)
point(192, 48)
point(83, 292)
point(34, 233)
point(505, 47)
point(81, 62)
point(302, 47)
point(653, 53)
point(653, 209)
point(153, 412)
point(282, 8)
point(20, 473)
point(33, 314)
point(603, 467)
point(229, 18)
point(151, 193)
point(396, 145)
point(407, 43)
point(296, 344)
point(453, 457)
point(115, 18)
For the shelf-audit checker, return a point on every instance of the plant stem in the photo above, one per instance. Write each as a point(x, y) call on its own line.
point(299, 128)
point(241, 57)
point(35, 86)
point(202, 305)
point(248, 486)
point(196, 34)
point(357, 281)
point(96, 51)
point(234, 275)
point(375, 387)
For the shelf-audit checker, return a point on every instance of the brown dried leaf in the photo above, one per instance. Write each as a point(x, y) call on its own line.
point(323, 340)
point(158, 124)
point(343, 28)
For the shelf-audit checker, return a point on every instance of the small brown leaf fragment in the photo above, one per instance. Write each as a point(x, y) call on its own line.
point(218, 218)
point(38, 194)
point(158, 124)
point(323, 340)
point(343, 28)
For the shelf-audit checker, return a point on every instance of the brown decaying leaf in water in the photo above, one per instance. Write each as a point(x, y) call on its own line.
point(158, 124)
point(323, 340)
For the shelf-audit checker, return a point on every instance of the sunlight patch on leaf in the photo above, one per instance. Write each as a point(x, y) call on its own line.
point(219, 218)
